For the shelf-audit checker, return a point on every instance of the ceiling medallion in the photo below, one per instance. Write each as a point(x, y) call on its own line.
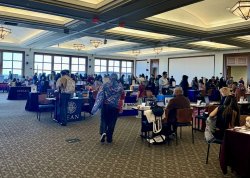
point(4, 32)
point(96, 43)
point(136, 52)
point(78, 46)
point(242, 9)
point(157, 50)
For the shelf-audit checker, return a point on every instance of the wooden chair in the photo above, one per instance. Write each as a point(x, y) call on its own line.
point(44, 105)
point(243, 120)
point(184, 118)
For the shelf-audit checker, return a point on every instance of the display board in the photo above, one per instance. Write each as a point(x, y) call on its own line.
point(192, 66)
point(142, 67)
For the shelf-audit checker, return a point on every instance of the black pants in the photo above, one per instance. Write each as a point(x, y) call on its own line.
point(63, 104)
point(108, 120)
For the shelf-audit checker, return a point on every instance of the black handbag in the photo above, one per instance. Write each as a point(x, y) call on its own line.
point(157, 110)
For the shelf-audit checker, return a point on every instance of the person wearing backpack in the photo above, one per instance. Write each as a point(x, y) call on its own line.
point(65, 84)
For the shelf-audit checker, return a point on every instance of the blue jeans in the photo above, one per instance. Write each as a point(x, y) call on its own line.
point(108, 120)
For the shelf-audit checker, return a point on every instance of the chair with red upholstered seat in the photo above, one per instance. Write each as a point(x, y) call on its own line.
point(44, 105)
point(184, 118)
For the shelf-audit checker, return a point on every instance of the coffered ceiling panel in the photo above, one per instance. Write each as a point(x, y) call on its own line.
point(20, 35)
point(151, 51)
point(246, 37)
point(206, 15)
point(213, 45)
point(31, 15)
point(90, 48)
point(81, 4)
point(138, 33)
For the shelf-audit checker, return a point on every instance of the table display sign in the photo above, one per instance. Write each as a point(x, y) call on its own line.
point(19, 93)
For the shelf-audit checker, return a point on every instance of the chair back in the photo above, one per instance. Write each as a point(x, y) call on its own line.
point(165, 119)
point(203, 93)
point(243, 120)
point(149, 94)
point(240, 93)
point(184, 115)
point(42, 99)
point(211, 108)
point(209, 92)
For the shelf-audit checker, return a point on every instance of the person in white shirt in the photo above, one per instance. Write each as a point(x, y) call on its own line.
point(164, 83)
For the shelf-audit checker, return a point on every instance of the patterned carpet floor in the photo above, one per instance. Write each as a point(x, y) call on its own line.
point(29, 148)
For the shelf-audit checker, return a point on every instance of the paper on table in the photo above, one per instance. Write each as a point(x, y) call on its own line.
point(242, 129)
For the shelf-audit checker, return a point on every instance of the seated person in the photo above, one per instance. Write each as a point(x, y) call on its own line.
point(178, 102)
point(226, 115)
point(141, 92)
point(18, 83)
point(13, 83)
point(224, 91)
point(240, 92)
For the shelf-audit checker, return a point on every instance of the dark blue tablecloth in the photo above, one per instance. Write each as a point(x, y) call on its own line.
point(4, 87)
point(18, 93)
point(73, 108)
point(192, 95)
point(130, 99)
point(32, 102)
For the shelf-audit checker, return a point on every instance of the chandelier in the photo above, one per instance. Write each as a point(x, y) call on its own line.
point(4, 31)
point(242, 9)
point(136, 52)
point(157, 50)
point(78, 46)
point(96, 43)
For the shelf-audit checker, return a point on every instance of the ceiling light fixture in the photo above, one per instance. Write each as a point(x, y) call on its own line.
point(242, 9)
point(105, 40)
point(136, 52)
point(78, 46)
point(157, 50)
point(95, 43)
point(4, 31)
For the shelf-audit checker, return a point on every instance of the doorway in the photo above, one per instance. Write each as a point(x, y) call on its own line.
point(154, 67)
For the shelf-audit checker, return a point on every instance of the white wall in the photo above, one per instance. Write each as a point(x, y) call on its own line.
point(163, 59)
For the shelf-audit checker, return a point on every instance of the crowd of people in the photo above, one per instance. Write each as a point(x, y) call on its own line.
point(162, 84)
point(110, 92)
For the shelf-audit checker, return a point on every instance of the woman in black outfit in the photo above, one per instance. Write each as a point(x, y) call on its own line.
point(184, 85)
point(227, 116)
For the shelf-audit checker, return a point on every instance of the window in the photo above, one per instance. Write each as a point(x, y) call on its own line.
point(12, 61)
point(61, 63)
point(108, 66)
point(126, 69)
point(114, 67)
point(42, 63)
point(78, 65)
point(100, 66)
point(45, 63)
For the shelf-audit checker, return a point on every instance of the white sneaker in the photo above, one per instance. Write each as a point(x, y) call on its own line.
point(103, 137)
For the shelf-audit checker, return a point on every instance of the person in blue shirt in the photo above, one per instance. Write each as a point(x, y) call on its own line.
point(108, 100)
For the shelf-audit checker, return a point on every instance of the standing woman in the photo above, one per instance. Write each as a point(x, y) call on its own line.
point(108, 98)
point(184, 85)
